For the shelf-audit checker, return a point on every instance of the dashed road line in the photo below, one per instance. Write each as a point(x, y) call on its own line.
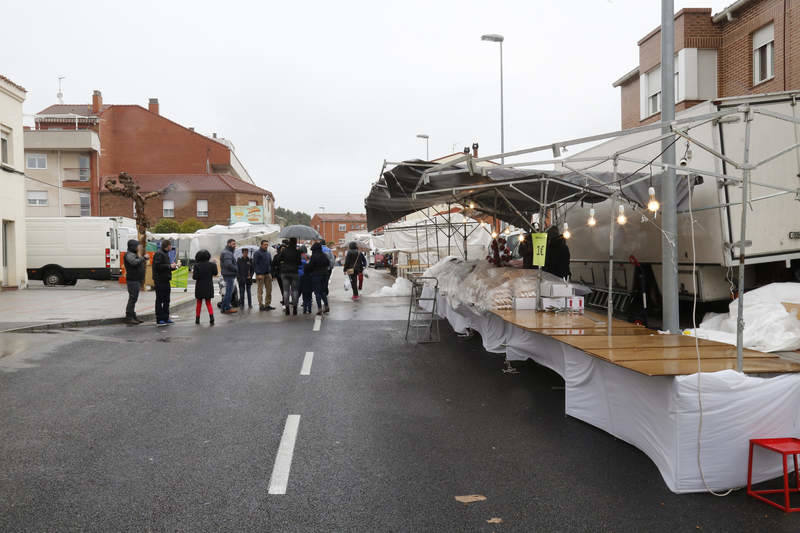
point(283, 461)
point(306, 370)
point(317, 323)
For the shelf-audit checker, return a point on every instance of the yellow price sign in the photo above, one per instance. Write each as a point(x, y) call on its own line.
point(539, 248)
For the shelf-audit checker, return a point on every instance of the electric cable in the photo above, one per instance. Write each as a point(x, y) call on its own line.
point(697, 351)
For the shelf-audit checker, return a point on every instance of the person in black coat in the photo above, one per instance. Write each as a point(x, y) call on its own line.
point(526, 250)
point(162, 274)
point(135, 265)
point(289, 261)
point(245, 274)
point(276, 267)
point(354, 264)
point(318, 269)
point(203, 273)
point(556, 260)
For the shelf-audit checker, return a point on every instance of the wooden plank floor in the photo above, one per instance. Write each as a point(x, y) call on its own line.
point(641, 349)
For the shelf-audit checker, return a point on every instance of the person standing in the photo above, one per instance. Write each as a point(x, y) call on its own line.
point(276, 269)
point(526, 250)
point(262, 265)
point(361, 266)
point(135, 265)
point(331, 263)
point(318, 268)
point(203, 273)
point(557, 259)
point(244, 276)
point(306, 287)
point(162, 274)
point(352, 259)
point(290, 265)
point(229, 272)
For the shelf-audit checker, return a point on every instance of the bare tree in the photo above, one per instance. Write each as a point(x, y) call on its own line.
point(125, 186)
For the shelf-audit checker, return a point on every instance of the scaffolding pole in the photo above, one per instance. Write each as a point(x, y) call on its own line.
point(669, 206)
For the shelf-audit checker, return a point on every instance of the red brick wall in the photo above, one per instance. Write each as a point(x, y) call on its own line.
point(733, 41)
point(735, 61)
point(629, 95)
point(136, 141)
point(219, 204)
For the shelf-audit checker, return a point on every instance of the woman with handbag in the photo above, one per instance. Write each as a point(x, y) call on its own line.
point(245, 277)
point(353, 267)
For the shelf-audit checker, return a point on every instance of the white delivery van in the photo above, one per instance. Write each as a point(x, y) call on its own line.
point(62, 250)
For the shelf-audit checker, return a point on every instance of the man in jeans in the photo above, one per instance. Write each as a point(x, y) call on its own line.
point(135, 264)
point(229, 270)
point(289, 261)
point(162, 274)
point(262, 264)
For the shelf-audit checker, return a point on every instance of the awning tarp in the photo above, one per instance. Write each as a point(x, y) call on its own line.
point(510, 194)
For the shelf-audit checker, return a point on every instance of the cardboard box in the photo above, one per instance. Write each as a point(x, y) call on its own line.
point(524, 303)
point(559, 303)
point(575, 303)
point(559, 290)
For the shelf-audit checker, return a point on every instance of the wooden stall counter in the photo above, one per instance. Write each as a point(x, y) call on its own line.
point(640, 349)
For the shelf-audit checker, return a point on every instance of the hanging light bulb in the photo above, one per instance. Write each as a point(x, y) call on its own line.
point(494, 235)
point(621, 218)
point(653, 204)
point(566, 233)
point(507, 230)
point(522, 238)
point(592, 221)
point(472, 205)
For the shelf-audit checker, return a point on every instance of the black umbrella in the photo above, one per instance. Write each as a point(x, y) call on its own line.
point(300, 232)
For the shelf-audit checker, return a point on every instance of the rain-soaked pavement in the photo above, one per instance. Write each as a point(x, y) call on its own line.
point(121, 428)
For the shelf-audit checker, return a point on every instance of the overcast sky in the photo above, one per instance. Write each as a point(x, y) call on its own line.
point(315, 95)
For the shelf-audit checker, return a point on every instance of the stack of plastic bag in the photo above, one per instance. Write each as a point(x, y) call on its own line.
point(768, 326)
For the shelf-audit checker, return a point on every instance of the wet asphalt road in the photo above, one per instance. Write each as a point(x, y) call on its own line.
point(177, 429)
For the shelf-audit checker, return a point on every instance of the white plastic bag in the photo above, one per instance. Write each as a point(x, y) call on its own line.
point(346, 285)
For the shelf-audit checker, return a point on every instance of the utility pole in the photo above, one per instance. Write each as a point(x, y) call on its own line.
point(669, 241)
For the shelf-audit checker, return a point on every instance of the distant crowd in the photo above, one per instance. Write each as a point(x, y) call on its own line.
point(297, 273)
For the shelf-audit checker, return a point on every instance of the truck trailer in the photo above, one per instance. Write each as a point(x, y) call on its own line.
point(773, 219)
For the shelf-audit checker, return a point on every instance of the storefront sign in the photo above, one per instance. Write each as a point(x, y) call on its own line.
point(254, 214)
point(539, 248)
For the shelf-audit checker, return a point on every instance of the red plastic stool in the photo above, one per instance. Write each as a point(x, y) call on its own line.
point(784, 446)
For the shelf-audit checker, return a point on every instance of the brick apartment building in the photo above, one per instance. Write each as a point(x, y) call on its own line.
point(334, 226)
point(84, 145)
point(751, 47)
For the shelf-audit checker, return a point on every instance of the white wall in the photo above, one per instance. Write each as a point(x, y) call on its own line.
point(12, 188)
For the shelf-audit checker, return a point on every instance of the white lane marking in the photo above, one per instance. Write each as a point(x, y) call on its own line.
point(317, 323)
point(306, 370)
point(283, 461)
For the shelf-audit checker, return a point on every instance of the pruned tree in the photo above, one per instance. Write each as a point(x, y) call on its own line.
point(124, 185)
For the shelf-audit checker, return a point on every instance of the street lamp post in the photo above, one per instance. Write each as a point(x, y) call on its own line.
point(496, 38)
point(426, 137)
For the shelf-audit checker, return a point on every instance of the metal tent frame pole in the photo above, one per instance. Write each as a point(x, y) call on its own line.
point(748, 119)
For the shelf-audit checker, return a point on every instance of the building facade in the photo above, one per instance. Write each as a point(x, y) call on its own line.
point(334, 226)
point(751, 47)
point(126, 138)
point(60, 166)
point(12, 187)
point(206, 197)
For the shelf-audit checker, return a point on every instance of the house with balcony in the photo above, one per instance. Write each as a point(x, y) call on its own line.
point(60, 166)
point(81, 146)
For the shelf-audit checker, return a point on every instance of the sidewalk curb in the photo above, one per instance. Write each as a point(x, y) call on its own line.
point(96, 321)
